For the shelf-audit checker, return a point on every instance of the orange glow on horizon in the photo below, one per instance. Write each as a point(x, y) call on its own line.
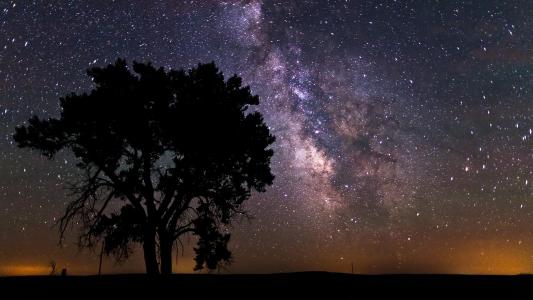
point(493, 260)
point(24, 270)
point(473, 257)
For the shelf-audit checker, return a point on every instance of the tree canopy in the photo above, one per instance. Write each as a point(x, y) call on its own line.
point(164, 153)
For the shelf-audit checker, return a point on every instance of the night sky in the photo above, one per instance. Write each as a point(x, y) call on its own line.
point(404, 128)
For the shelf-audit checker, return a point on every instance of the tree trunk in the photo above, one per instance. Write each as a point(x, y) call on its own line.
point(165, 252)
point(150, 255)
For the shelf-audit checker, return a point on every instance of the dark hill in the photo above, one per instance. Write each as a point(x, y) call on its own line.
point(266, 286)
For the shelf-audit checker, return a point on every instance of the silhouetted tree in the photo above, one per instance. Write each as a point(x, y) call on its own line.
point(52, 265)
point(164, 153)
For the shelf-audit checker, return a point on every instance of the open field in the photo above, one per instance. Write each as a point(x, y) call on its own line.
point(272, 286)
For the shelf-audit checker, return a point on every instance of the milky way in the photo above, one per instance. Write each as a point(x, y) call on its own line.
point(403, 128)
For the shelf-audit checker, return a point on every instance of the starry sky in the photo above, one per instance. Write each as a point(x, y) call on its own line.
point(404, 128)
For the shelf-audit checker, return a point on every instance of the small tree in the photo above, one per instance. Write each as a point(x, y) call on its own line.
point(52, 265)
point(163, 153)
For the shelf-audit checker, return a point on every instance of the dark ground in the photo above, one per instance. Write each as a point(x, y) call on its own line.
point(270, 286)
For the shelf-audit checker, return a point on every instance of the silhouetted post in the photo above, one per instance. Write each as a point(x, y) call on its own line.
point(64, 272)
point(100, 264)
